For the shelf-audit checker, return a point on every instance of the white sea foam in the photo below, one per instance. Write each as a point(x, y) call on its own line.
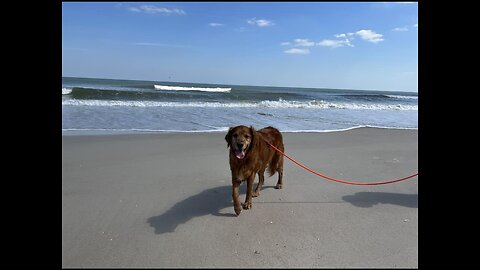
point(106, 131)
point(109, 131)
point(346, 129)
point(403, 97)
point(313, 104)
point(180, 88)
point(262, 104)
point(66, 91)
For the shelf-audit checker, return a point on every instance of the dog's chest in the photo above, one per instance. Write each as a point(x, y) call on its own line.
point(240, 169)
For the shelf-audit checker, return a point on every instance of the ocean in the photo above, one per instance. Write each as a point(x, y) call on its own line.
point(108, 106)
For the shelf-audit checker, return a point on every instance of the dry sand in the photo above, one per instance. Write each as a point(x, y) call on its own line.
point(164, 200)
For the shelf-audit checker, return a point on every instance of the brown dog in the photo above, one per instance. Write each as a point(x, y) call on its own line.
point(249, 155)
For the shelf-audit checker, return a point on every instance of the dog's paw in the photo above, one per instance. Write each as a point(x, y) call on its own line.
point(278, 186)
point(247, 205)
point(255, 194)
point(238, 210)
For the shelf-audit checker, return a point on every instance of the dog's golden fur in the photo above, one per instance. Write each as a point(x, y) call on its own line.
point(249, 155)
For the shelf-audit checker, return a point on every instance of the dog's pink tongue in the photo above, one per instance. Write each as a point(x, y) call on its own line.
point(240, 154)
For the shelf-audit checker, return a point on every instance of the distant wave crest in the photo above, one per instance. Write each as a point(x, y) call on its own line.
point(66, 90)
point(181, 88)
point(403, 97)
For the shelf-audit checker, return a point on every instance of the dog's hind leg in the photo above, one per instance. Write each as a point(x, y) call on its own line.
point(280, 174)
point(261, 179)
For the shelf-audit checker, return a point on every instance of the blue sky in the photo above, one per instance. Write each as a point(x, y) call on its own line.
point(348, 45)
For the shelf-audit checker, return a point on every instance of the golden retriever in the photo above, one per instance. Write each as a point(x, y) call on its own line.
point(249, 155)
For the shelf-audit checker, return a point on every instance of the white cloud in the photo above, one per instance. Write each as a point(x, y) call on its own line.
point(400, 29)
point(301, 42)
point(150, 9)
point(297, 51)
point(344, 35)
point(260, 22)
point(335, 43)
point(341, 40)
point(370, 36)
point(215, 24)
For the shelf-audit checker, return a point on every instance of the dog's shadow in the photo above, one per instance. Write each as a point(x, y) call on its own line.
point(211, 201)
point(368, 199)
point(207, 202)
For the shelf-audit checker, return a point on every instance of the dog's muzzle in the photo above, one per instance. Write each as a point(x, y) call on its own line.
point(239, 152)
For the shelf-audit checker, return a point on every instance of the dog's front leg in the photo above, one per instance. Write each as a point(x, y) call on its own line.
point(248, 198)
point(236, 202)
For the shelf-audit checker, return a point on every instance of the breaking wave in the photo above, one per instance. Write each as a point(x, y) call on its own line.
point(263, 104)
point(181, 88)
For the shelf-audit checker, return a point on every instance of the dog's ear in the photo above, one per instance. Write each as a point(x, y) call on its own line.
point(228, 137)
point(254, 136)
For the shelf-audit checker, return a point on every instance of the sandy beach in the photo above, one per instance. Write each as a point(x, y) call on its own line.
point(164, 200)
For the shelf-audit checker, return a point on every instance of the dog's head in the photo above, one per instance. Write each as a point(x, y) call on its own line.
point(240, 139)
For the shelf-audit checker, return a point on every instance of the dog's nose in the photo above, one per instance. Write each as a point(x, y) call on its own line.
point(240, 145)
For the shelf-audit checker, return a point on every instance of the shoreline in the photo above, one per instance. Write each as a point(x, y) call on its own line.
point(146, 200)
point(105, 132)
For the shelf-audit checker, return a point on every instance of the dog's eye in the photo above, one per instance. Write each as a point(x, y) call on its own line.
point(235, 135)
point(248, 137)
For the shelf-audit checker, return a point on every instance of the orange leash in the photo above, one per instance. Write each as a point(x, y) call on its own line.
point(338, 180)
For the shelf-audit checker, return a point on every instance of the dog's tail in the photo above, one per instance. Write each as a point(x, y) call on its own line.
point(277, 161)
